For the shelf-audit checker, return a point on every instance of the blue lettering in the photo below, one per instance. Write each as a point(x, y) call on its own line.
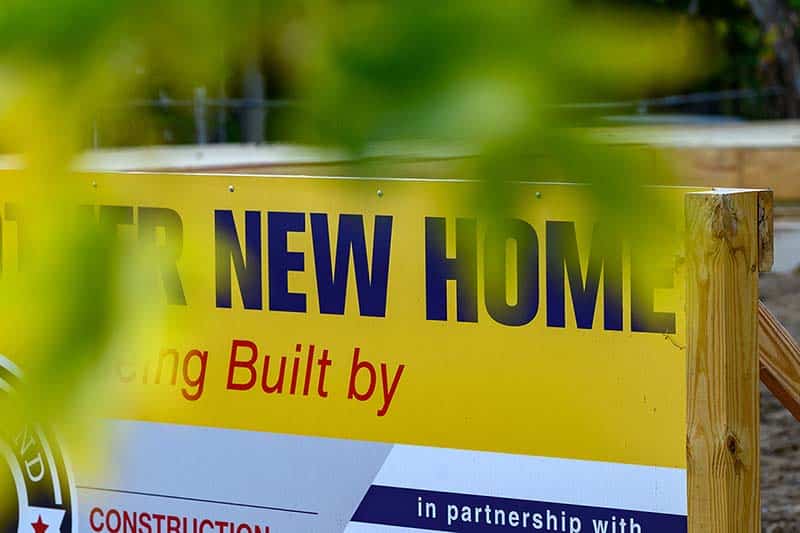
point(439, 269)
point(605, 255)
point(332, 285)
point(527, 272)
point(170, 221)
point(646, 276)
point(228, 250)
point(282, 261)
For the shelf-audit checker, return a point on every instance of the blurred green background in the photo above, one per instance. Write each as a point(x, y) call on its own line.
point(515, 82)
point(510, 80)
point(749, 67)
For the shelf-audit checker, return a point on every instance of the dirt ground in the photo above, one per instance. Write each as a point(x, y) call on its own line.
point(780, 432)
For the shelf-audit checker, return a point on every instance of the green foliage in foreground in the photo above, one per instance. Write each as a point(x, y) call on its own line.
point(488, 75)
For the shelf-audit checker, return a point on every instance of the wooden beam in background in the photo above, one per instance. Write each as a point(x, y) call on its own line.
point(779, 361)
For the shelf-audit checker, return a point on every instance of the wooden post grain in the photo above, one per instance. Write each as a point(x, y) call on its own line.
point(722, 363)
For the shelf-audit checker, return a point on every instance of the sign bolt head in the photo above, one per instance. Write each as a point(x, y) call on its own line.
point(538, 195)
point(231, 188)
point(380, 193)
point(94, 184)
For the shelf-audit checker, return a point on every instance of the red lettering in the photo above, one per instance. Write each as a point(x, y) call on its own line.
point(128, 521)
point(159, 518)
point(248, 365)
point(358, 366)
point(278, 386)
point(173, 524)
point(165, 355)
point(199, 381)
point(144, 520)
point(309, 367)
point(323, 363)
point(94, 511)
point(388, 391)
point(113, 513)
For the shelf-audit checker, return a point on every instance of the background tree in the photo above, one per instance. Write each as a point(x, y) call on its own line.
point(779, 21)
point(757, 48)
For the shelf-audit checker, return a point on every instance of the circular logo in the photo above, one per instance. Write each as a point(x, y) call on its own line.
point(36, 493)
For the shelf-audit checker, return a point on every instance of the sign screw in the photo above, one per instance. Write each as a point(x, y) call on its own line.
point(380, 193)
point(94, 184)
point(538, 195)
point(231, 188)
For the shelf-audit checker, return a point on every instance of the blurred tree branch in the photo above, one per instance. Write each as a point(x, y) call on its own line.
point(778, 21)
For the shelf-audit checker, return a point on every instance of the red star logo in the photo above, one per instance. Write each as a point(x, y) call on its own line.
point(39, 526)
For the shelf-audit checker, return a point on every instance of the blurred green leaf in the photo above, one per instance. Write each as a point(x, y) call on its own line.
point(494, 77)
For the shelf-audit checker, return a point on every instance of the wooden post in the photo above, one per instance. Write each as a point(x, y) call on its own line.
point(722, 364)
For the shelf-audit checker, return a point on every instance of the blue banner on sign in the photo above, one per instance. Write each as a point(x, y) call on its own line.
point(445, 511)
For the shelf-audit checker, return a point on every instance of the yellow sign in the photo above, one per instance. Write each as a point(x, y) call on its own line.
point(389, 311)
